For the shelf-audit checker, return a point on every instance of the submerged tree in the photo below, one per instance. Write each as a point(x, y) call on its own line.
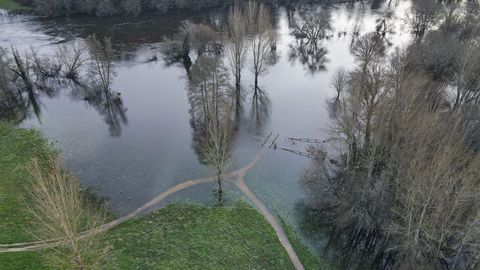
point(339, 83)
point(12, 103)
point(262, 39)
point(101, 62)
point(5, 72)
point(23, 79)
point(107, 103)
point(24, 82)
point(72, 57)
point(423, 17)
point(313, 27)
point(99, 93)
point(385, 25)
point(217, 148)
point(313, 56)
point(211, 98)
point(309, 34)
point(403, 192)
point(236, 47)
point(201, 38)
point(260, 110)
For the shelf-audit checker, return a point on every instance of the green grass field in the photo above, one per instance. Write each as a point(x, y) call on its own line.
point(185, 236)
point(180, 236)
point(11, 5)
point(17, 148)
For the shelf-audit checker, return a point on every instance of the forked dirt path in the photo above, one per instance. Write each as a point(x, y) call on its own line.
point(238, 179)
point(282, 236)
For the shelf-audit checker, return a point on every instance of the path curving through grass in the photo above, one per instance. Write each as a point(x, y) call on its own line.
point(237, 176)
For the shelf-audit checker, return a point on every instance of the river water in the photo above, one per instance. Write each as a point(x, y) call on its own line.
point(130, 157)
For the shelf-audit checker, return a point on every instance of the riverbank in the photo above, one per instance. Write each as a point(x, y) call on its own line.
point(17, 148)
point(58, 8)
point(180, 236)
point(11, 5)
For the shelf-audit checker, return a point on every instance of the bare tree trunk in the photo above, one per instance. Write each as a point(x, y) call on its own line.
point(238, 93)
point(220, 188)
point(256, 83)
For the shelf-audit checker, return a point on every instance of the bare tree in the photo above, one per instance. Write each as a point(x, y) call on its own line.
point(11, 100)
point(385, 25)
point(310, 31)
point(262, 39)
point(199, 37)
point(5, 72)
point(339, 82)
point(368, 49)
point(22, 68)
point(44, 67)
point(177, 50)
point(217, 148)
point(423, 17)
point(466, 82)
point(60, 210)
point(406, 190)
point(101, 59)
point(236, 46)
point(314, 27)
point(205, 40)
point(72, 57)
point(210, 97)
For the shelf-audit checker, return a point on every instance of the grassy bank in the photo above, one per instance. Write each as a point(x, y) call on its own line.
point(180, 236)
point(17, 148)
point(11, 5)
point(183, 236)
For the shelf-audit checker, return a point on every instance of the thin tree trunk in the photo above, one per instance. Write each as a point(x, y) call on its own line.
point(220, 189)
point(256, 83)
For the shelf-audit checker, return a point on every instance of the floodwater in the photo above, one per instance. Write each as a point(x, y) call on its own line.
point(130, 156)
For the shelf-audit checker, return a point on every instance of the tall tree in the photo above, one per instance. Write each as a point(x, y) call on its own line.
point(236, 47)
point(61, 213)
point(262, 39)
point(211, 97)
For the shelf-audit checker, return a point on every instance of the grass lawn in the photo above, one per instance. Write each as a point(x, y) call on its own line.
point(180, 236)
point(17, 148)
point(11, 5)
point(185, 236)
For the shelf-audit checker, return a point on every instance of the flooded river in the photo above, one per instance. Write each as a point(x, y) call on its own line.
point(129, 156)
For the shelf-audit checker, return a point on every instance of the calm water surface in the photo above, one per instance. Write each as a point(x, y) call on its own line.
point(130, 161)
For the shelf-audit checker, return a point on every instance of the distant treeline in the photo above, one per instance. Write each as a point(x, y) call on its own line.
point(103, 8)
point(114, 7)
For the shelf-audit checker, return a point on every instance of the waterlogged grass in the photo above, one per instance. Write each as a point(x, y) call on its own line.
point(185, 236)
point(11, 5)
point(309, 260)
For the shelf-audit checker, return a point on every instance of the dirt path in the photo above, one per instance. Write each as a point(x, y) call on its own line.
point(237, 175)
point(282, 236)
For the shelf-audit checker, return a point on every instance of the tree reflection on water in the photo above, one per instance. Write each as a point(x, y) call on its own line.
point(309, 32)
point(24, 82)
point(211, 102)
